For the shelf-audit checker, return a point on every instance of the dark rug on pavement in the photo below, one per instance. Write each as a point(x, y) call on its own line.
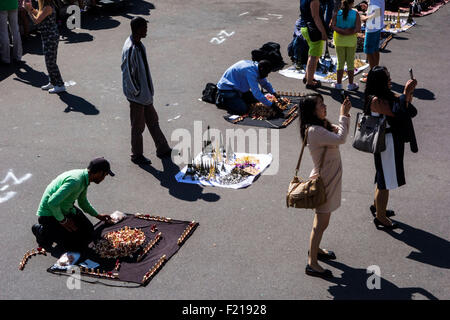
point(166, 234)
point(290, 113)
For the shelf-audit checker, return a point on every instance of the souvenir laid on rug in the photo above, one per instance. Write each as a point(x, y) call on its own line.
point(221, 167)
point(131, 250)
point(326, 74)
point(397, 22)
point(422, 8)
point(260, 115)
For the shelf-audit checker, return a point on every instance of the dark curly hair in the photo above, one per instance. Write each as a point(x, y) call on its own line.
point(308, 117)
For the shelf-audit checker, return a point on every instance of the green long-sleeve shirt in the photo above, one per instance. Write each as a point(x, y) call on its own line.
point(60, 195)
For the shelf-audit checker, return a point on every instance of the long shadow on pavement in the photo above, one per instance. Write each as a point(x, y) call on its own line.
point(430, 249)
point(26, 74)
point(77, 104)
point(136, 7)
point(182, 191)
point(356, 97)
point(419, 93)
point(353, 286)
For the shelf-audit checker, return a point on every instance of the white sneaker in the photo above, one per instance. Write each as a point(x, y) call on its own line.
point(337, 86)
point(352, 86)
point(57, 89)
point(47, 87)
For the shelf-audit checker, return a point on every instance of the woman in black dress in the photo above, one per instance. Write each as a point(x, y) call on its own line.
point(398, 110)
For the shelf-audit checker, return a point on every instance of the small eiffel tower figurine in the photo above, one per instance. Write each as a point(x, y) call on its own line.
point(410, 19)
point(398, 25)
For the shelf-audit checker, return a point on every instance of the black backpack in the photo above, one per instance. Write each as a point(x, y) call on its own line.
point(269, 51)
point(209, 94)
point(298, 49)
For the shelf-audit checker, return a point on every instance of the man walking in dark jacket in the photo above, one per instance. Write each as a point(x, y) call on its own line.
point(138, 89)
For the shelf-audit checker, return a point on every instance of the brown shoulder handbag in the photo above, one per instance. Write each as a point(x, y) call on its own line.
point(306, 194)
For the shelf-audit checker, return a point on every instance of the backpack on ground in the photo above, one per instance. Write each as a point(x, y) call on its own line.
point(209, 94)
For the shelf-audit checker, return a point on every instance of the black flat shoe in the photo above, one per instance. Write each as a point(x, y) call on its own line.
point(381, 226)
point(326, 274)
point(373, 210)
point(304, 79)
point(326, 256)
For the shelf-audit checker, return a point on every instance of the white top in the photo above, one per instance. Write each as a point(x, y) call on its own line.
point(377, 22)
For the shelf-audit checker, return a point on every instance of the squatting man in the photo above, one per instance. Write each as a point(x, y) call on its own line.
point(59, 219)
point(239, 86)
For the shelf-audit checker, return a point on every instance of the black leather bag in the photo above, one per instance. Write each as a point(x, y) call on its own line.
point(210, 93)
point(369, 133)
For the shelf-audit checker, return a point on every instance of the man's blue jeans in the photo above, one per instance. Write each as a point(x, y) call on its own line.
point(234, 101)
point(328, 8)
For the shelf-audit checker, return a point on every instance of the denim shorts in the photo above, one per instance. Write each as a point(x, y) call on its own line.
point(372, 42)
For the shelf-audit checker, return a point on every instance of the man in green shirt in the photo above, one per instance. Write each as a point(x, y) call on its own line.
point(59, 220)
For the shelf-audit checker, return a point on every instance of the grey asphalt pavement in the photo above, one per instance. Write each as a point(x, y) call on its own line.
point(248, 244)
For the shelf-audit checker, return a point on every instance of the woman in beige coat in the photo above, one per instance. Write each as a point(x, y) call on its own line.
point(323, 137)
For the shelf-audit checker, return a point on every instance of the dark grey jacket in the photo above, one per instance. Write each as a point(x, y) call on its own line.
point(134, 76)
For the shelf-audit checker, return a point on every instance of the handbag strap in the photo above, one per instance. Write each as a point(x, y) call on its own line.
point(301, 154)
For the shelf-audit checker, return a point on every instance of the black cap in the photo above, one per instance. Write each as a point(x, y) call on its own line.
point(100, 164)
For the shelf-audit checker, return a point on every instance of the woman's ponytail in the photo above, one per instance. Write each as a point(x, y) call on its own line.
point(346, 6)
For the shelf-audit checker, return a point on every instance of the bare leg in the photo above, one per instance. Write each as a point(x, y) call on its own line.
point(321, 222)
point(374, 59)
point(376, 56)
point(351, 74)
point(340, 74)
point(381, 201)
point(311, 69)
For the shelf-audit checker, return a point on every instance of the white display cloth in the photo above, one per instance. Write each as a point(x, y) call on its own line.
point(292, 72)
point(264, 161)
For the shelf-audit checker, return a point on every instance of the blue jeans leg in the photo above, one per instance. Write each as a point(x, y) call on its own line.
point(233, 102)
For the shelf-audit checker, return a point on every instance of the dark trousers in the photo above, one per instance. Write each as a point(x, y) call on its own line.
point(234, 101)
point(140, 116)
point(53, 231)
point(50, 48)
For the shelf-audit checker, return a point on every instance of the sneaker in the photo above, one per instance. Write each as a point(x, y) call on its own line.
point(57, 89)
point(337, 86)
point(352, 87)
point(141, 160)
point(47, 87)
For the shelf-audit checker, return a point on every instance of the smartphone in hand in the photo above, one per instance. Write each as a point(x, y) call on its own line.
point(411, 74)
point(344, 94)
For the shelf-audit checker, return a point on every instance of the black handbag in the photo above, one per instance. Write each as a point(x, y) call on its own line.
point(209, 94)
point(369, 134)
point(313, 32)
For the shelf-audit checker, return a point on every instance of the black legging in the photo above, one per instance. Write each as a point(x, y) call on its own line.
point(78, 240)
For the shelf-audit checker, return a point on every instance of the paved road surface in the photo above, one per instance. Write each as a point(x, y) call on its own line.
point(248, 245)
